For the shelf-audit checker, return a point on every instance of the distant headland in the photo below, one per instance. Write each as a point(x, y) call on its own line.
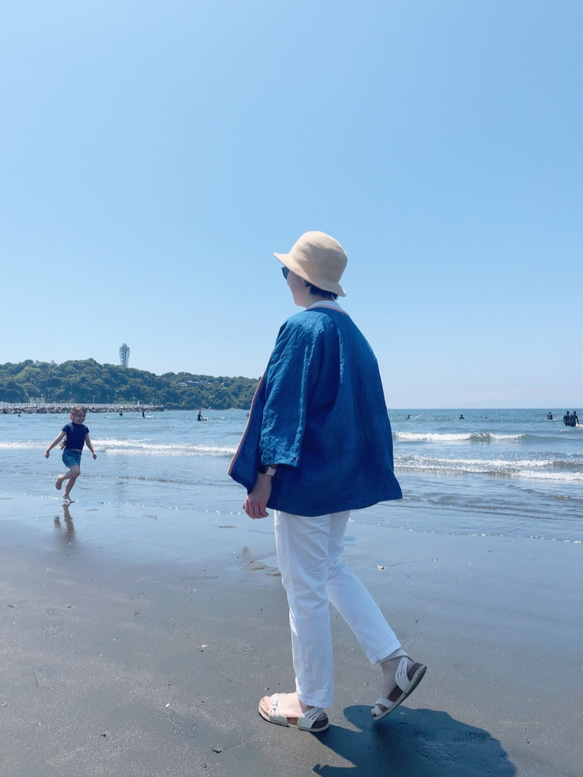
point(33, 386)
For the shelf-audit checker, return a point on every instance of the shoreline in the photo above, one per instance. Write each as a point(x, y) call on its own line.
point(123, 655)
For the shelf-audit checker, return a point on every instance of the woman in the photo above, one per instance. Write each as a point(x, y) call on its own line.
point(318, 444)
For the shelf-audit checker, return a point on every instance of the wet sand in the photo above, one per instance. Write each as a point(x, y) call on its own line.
point(138, 644)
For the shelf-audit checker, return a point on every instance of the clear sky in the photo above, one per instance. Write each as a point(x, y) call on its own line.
point(154, 155)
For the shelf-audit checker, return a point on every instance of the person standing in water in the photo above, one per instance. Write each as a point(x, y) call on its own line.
point(72, 438)
point(317, 445)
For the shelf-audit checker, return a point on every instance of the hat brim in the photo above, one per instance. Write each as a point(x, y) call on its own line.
point(288, 261)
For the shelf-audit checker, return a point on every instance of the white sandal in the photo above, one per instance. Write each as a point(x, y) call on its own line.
point(309, 721)
point(406, 680)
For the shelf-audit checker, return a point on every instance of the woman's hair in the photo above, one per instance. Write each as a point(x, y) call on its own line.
point(320, 292)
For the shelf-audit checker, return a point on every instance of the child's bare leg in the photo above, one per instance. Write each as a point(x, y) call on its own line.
point(71, 476)
point(61, 479)
point(67, 494)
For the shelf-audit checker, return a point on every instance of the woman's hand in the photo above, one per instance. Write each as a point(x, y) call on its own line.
point(257, 498)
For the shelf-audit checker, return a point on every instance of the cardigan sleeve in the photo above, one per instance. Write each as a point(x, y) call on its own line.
point(290, 376)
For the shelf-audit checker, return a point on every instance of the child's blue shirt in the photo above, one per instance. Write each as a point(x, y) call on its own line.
point(76, 434)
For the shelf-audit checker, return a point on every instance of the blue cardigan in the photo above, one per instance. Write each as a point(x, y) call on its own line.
point(319, 413)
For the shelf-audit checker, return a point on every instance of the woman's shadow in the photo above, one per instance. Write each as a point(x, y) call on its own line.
point(414, 743)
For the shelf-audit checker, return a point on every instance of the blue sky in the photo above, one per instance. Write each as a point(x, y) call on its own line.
point(154, 155)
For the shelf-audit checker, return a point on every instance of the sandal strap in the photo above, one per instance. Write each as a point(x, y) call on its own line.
point(273, 711)
point(401, 676)
point(312, 714)
point(309, 719)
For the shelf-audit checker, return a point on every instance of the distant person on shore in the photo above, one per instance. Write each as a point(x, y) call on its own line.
point(72, 438)
point(318, 444)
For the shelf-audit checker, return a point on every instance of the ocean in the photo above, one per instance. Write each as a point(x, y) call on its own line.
point(494, 472)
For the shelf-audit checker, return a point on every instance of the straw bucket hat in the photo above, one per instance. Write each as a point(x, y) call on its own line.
point(319, 259)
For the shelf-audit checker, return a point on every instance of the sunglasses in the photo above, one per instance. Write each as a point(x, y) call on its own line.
point(285, 271)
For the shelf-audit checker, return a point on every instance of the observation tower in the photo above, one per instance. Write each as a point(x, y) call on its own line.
point(124, 354)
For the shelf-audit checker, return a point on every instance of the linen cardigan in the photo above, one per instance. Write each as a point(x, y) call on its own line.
point(319, 414)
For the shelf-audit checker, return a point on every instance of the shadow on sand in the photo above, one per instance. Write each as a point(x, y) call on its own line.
point(414, 743)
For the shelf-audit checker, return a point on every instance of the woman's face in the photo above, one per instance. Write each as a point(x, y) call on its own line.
point(300, 292)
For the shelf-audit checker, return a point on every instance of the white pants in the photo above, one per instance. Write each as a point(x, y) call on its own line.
point(309, 555)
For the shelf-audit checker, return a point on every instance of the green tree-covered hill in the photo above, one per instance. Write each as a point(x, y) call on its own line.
point(87, 382)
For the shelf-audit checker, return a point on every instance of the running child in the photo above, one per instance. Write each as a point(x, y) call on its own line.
point(72, 438)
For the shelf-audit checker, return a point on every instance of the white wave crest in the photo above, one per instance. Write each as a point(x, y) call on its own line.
point(21, 445)
point(144, 448)
point(455, 437)
point(541, 469)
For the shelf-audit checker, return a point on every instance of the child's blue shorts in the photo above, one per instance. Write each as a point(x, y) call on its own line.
point(71, 458)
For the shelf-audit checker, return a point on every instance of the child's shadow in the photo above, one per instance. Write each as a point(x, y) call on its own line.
point(414, 743)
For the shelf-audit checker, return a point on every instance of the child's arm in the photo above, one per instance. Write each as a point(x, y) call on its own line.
point(56, 441)
point(89, 444)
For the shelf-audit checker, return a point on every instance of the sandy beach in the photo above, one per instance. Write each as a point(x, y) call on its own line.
point(140, 645)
